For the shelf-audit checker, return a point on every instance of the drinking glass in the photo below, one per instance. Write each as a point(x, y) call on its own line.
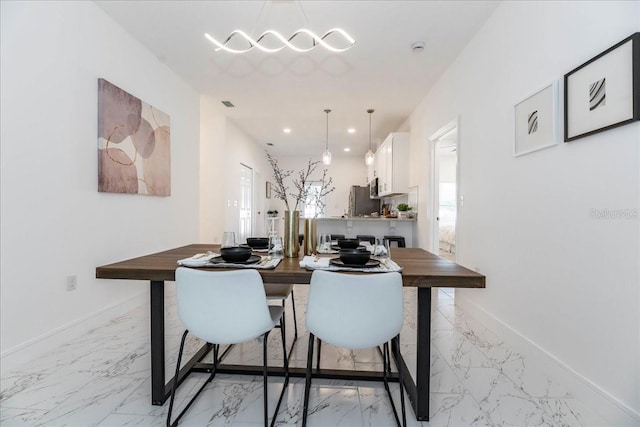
point(327, 243)
point(228, 239)
point(275, 246)
point(381, 250)
point(321, 244)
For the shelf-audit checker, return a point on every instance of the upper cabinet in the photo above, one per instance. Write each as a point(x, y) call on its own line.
point(392, 165)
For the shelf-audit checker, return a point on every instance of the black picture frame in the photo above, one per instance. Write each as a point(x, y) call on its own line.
point(585, 109)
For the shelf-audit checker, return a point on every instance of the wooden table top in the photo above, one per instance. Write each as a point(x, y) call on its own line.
point(420, 268)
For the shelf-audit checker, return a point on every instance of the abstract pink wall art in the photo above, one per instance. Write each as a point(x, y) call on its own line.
point(134, 144)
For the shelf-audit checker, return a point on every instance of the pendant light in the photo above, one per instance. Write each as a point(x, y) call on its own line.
point(272, 41)
point(326, 156)
point(369, 157)
point(285, 42)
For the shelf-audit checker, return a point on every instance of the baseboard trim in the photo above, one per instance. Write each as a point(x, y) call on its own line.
point(581, 387)
point(36, 347)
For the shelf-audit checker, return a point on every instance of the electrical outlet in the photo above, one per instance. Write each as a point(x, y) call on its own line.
point(72, 283)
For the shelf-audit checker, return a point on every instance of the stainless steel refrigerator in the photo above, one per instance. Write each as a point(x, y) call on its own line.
point(360, 202)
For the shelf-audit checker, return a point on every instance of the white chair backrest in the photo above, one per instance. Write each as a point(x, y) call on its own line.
point(222, 307)
point(355, 311)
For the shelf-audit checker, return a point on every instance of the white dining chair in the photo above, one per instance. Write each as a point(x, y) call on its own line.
point(226, 307)
point(356, 311)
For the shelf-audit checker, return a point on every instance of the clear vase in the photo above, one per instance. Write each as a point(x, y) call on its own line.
point(310, 236)
point(291, 231)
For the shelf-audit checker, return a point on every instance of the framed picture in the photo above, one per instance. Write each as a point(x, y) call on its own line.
point(535, 120)
point(604, 92)
point(134, 144)
point(268, 190)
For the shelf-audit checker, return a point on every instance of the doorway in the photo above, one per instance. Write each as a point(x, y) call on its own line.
point(445, 173)
point(245, 223)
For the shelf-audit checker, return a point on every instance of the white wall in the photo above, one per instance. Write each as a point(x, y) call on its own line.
point(345, 171)
point(559, 277)
point(448, 162)
point(213, 125)
point(223, 147)
point(54, 221)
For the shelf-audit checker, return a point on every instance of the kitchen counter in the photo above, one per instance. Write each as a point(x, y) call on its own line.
point(378, 227)
point(365, 218)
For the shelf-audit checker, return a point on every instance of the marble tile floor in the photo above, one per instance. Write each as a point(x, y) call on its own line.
point(102, 379)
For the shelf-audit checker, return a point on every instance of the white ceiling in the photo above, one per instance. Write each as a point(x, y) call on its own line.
point(288, 89)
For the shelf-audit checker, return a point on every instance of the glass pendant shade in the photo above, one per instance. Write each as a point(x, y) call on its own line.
point(326, 157)
point(369, 158)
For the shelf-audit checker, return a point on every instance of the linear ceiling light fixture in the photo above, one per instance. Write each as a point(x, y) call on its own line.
point(286, 42)
point(369, 157)
point(272, 41)
point(326, 156)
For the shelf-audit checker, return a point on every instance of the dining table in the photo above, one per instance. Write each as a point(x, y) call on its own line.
point(420, 269)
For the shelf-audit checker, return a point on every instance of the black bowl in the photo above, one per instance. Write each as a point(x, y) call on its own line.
point(235, 254)
point(258, 242)
point(355, 256)
point(348, 243)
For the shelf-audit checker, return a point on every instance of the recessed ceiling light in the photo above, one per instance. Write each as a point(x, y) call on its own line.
point(351, 130)
point(286, 130)
point(347, 149)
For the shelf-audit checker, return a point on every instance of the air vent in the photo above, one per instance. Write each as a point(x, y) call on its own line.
point(228, 104)
point(270, 144)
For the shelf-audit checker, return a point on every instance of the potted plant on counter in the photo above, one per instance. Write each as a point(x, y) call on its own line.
point(403, 210)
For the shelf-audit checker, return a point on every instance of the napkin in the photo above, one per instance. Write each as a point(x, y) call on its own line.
point(198, 260)
point(313, 262)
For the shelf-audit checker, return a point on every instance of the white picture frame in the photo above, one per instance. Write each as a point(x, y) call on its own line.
point(536, 121)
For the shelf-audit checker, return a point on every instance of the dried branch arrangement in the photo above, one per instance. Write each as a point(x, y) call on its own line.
point(325, 189)
point(300, 183)
point(279, 176)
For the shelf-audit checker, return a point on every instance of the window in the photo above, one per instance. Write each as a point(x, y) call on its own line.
point(314, 204)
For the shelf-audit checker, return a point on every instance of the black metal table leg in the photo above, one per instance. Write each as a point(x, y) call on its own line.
point(423, 368)
point(160, 387)
point(158, 395)
point(418, 391)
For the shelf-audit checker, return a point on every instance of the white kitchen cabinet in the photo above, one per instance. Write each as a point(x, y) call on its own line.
point(381, 167)
point(392, 165)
